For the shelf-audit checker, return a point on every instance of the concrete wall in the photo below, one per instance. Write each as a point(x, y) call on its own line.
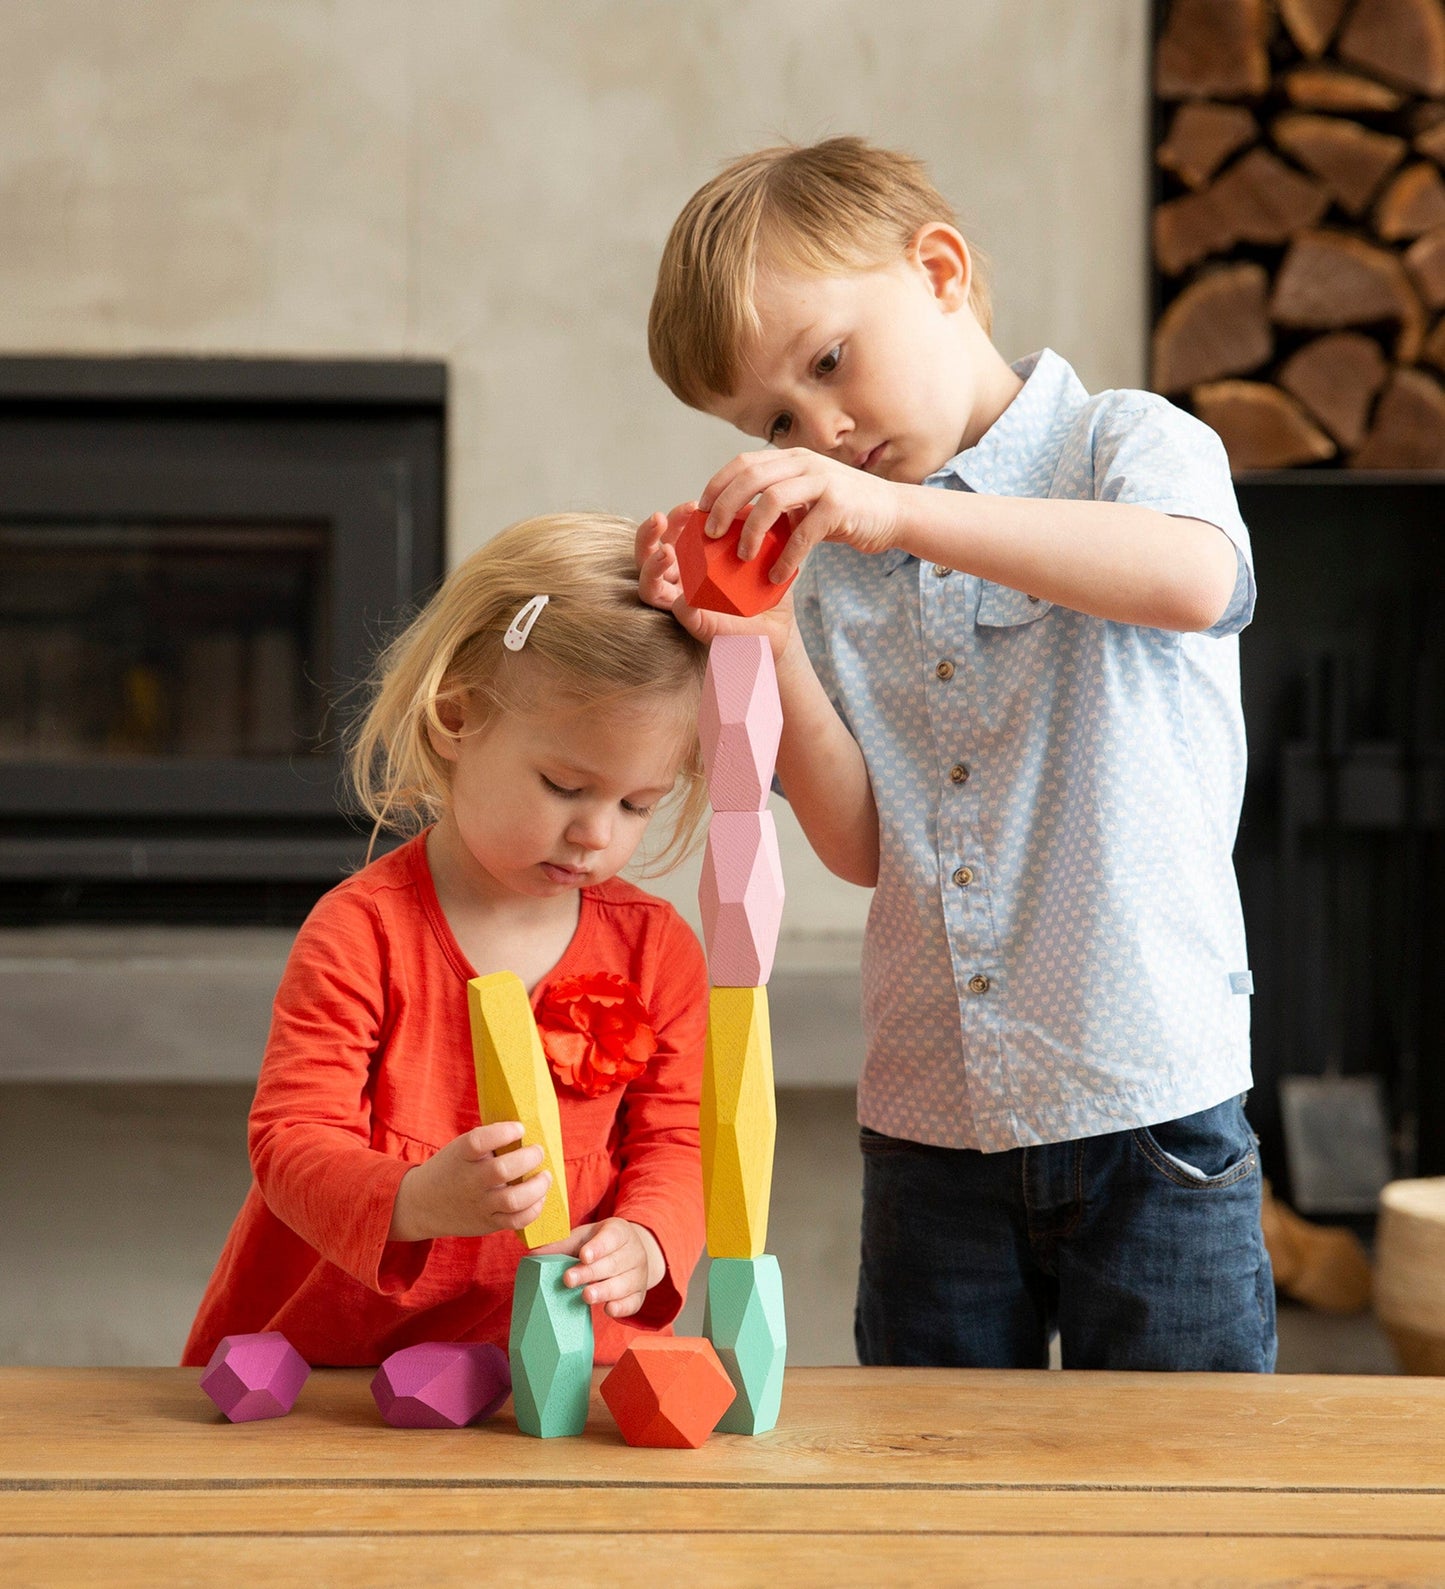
point(489, 182)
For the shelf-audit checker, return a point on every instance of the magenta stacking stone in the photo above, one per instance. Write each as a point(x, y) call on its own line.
point(255, 1376)
point(442, 1384)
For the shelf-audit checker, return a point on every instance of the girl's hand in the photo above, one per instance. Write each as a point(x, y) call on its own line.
point(621, 1262)
point(464, 1189)
point(841, 503)
point(660, 585)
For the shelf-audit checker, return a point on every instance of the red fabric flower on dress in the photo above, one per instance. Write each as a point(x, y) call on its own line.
point(595, 1032)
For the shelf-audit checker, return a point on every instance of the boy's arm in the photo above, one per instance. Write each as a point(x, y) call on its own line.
point(1111, 560)
point(1157, 566)
point(820, 765)
point(822, 772)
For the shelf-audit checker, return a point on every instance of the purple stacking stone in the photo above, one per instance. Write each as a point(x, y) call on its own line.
point(255, 1376)
point(442, 1384)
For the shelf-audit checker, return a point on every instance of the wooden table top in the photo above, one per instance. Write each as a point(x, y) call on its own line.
point(129, 1476)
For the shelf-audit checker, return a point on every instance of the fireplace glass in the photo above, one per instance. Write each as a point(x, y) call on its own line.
point(198, 561)
point(150, 639)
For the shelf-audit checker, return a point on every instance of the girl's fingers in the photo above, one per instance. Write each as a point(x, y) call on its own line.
point(488, 1139)
point(526, 1194)
point(614, 1289)
point(517, 1165)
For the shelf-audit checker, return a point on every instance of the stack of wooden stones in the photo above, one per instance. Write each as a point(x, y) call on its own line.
point(663, 1390)
point(741, 895)
point(550, 1343)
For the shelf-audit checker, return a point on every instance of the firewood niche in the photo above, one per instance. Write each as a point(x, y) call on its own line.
point(1299, 228)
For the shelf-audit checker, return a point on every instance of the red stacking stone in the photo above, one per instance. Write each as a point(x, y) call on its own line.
point(668, 1390)
point(714, 577)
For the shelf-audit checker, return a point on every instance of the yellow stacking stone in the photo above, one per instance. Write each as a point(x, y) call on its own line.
point(514, 1083)
point(739, 1122)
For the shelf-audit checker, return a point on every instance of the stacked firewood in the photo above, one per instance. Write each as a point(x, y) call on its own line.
point(1299, 237)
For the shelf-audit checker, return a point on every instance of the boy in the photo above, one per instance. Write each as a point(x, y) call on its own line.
point(1011, 705)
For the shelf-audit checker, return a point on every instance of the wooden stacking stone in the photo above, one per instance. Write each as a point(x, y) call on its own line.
point(715, 577)
point(740, 722)
point(667, 1390)
point(739, 1122)
point(252, 1376)
point(740, 894)
point(550, 1349)
point(514, 1083)
point(744, 1320)
point(442, 1384)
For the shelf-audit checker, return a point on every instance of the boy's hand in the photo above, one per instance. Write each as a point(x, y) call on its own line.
point(841, 503)
point(621, 1262)
point(660, 585)
point(464, 1189)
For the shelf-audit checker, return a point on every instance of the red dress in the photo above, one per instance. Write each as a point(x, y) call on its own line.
point(368, 1070)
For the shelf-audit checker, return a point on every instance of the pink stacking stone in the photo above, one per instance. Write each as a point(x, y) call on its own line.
point(255, 1376)
point(442, 1384)
point(741, 895)
point(740, 722)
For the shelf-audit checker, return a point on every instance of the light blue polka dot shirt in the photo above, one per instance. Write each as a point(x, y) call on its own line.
point(1055, 947)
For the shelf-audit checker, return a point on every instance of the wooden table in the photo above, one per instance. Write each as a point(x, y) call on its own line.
point(897, 1476)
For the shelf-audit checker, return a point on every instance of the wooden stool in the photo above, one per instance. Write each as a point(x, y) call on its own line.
point(1410, 1272)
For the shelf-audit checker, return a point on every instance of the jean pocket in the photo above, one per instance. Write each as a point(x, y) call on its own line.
point(1205, 1151)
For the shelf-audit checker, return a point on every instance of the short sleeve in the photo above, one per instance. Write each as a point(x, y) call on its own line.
point(1154, 455)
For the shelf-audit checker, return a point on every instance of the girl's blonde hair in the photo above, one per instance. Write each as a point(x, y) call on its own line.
point(595, 644)
point(826, 208)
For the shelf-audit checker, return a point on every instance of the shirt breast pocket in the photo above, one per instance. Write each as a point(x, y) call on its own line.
point(999, 607)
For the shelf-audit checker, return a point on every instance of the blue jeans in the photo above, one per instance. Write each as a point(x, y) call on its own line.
point(1142, 1248)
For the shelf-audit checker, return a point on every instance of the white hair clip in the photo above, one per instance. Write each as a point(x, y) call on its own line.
point(521, 626)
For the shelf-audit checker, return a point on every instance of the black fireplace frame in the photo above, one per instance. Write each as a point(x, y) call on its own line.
point(358, 445)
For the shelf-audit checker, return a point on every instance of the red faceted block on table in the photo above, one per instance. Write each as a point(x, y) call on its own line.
point(668, 1390)
point(255, 1376)
point(714, 577)
point(442, 1384)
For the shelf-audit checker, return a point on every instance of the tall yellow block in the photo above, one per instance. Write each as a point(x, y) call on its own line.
point(513, 1083)
point(739, 1122)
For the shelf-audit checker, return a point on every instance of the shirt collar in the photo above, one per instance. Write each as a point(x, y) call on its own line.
point(1018, 454)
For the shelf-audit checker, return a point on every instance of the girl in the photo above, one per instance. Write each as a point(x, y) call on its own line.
point(529, 722)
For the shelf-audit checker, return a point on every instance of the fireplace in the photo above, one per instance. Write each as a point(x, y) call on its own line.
point(1339, 854)
point(197, 560)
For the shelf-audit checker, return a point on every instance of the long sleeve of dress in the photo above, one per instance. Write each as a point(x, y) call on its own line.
point(311, 1126)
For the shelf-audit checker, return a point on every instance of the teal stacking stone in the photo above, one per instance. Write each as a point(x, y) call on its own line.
point(744, 1321)
point(550, 1348)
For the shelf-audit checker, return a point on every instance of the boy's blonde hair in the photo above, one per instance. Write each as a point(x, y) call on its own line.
point(829, 208)
point(595, 644)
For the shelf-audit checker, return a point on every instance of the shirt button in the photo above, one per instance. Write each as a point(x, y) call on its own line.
point(944, 670)
point(1034, 599)
point(940, 572)
point(963, 876)
point(958, 772)
point(978, 984)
